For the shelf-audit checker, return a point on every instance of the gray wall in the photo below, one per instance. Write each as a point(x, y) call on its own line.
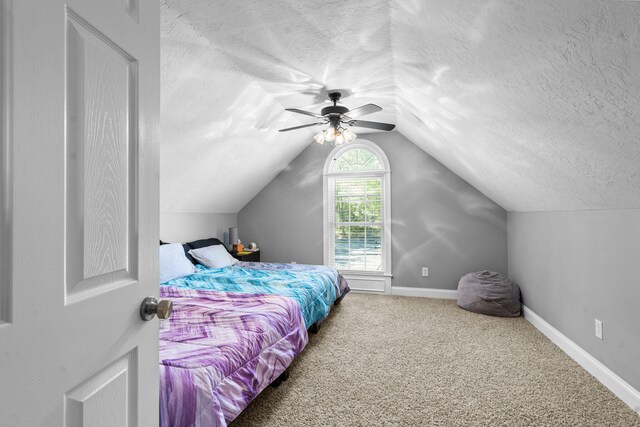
point(576, 266)
point(438, 220)
point(188, 226)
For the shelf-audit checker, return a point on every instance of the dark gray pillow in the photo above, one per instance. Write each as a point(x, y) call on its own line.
point(187, 248)
point(203, 243)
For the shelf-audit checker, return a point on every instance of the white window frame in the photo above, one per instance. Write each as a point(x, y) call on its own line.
point(369, 281)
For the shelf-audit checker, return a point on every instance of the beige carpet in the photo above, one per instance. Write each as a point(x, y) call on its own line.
point(382, 360)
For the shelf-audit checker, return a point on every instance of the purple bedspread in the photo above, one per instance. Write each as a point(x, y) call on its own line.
point(219, 350)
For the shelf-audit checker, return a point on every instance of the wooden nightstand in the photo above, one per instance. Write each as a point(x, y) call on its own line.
point(249, 257)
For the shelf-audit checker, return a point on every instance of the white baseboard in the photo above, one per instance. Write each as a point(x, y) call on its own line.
point(608, 378)
point(424, 292)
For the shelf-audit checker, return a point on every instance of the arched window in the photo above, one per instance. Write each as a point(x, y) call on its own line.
point(357, 211)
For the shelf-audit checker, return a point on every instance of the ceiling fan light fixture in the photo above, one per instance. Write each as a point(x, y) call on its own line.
point(319, 137)
point(330, 134)
point(337, 136)
point(348, 136)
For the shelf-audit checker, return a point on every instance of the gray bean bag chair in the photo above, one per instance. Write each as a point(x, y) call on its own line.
point(488, 292)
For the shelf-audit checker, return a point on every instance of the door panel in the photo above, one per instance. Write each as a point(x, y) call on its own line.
point(102, 400)
point(101, 160)
point(83, 189)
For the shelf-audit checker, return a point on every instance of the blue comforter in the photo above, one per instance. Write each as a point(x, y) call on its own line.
point(313, 292)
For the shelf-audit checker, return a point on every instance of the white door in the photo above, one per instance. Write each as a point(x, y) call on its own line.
point(79, 212)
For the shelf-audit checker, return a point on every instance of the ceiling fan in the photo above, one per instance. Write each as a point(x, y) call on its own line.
point(336, 116)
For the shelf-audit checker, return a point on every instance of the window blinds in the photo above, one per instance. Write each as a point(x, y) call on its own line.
point(358, 223)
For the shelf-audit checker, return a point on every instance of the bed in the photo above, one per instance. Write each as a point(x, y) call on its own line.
point(219, 350)
point(234, 330)
point(314, 287)
point(314, 293)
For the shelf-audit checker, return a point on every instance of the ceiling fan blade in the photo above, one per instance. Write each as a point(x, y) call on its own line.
point(300, 127)
point(308, 113)
point(361, 111)
point(372, 125)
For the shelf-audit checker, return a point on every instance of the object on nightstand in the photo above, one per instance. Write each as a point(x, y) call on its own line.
point(233, 236)
point(252, 247)
point(239, 247)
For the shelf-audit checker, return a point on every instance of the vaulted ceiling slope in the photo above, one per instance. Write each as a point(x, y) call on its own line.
point(535, 103)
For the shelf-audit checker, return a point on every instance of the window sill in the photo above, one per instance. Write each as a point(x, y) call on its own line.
point(363, 273)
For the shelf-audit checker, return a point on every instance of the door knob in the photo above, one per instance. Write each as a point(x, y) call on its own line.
point(151, 306)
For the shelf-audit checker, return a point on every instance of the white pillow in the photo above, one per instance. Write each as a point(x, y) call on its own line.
point(174, 263)
point(215, 256)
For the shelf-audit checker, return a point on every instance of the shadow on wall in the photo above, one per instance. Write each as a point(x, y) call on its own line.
point(305, 183)
point(544, 108)
point(438, 220)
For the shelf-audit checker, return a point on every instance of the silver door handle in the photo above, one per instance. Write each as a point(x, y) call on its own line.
point(151, 307)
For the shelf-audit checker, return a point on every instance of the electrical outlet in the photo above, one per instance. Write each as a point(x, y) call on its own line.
point(425, 271)
point(598, 329)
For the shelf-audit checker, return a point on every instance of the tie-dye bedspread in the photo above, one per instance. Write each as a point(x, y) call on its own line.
point(340, 283)
point(219, 350)
point(314, 290)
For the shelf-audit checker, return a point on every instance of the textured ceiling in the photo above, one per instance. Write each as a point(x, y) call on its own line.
point(535, 103)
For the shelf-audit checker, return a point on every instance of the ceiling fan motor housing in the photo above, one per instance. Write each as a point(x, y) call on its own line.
point(334, 109)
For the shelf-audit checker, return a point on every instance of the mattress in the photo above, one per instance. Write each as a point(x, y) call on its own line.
point(314, 288)
point(219, 350)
